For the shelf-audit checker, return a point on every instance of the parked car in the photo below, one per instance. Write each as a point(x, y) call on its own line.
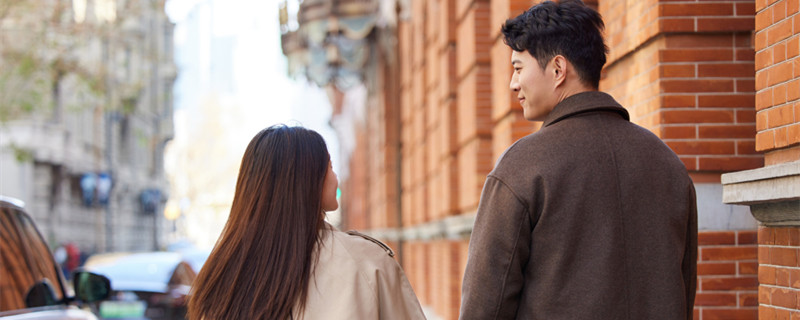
point(146, 285)
point(32, 285)
point(195, 257)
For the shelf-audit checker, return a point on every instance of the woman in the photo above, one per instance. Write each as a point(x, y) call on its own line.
point(277, 258)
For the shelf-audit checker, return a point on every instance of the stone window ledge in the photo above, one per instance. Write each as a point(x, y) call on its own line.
point(773, 193)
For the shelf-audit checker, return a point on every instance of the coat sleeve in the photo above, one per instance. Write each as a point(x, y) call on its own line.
point(689, 266)
point(396, 298)
point(499, 249)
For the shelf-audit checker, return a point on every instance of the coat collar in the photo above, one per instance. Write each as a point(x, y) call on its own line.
point(585, 102)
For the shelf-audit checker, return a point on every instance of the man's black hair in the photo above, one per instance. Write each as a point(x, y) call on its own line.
point(566, 27)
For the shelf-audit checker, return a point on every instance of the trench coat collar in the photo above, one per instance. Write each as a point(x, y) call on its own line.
point(585, 102)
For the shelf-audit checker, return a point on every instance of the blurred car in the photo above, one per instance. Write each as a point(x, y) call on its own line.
point(32, 285)
point(147, 285)
point(195, 257)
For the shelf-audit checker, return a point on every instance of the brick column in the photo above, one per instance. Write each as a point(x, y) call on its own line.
point(445, 135)
point(354, 200)
point(685, 71)
point(726, 274)
point(778, 273)
point(778, 81)
point(474, 99)
point(773, 192)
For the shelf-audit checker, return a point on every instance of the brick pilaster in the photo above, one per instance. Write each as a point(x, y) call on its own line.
point(770, 191)
point(777, 63)
point(686, 72)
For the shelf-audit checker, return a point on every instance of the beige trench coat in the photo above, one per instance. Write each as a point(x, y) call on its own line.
point(356, 278)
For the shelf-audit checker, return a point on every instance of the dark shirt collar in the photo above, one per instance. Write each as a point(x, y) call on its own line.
point(585, 102)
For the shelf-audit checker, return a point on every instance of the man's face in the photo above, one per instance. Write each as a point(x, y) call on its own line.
point(535, 87)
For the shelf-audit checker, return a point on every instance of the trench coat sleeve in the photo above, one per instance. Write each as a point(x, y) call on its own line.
point(499, 249)
point(396, 298)
point(690, 256)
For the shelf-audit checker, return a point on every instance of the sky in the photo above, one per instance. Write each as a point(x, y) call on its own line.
point(261, 86)
point(229, 51)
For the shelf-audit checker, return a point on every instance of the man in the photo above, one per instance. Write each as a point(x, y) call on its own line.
point(591, 217)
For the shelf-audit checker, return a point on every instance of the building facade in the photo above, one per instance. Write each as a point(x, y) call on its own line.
point(716, 81)
point(773, 192)
point(87, 112)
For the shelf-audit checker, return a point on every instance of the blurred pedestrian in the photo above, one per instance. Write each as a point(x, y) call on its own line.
point(73, 260)
point(60, 256)
point(278, 259)
point(73, 256)
point(591, 217)
point(68, 256)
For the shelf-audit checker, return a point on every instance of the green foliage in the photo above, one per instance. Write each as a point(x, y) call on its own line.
point(21, 155)
point(38, 45)
point(26, 66)
point(129, 105)
point(22, 88)
point(27, 106)
point(142, 138)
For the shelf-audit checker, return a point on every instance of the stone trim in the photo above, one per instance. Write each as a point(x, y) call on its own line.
point(777, 214)
point(773, 193)
point(450, 228)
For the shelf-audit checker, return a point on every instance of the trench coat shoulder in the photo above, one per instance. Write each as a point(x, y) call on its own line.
point(380, 244)
point(363, 251)
point(368, 282)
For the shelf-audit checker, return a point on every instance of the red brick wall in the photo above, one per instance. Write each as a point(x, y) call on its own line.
point(779, 273)
point(440, 282)
point(474, 100)
point(354, 199)
point(727, 280)
point(777, 64)
point(447, 126)
point(685, 70)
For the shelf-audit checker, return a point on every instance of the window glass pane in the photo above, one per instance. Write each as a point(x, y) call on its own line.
point(24, 259)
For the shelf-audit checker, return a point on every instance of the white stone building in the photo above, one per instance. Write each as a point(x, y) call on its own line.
point(86, 91)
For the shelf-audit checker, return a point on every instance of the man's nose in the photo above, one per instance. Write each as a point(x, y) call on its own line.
point(514, 84)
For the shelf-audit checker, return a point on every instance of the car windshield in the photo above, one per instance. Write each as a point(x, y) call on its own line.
point(146, 271)
point(24, 259)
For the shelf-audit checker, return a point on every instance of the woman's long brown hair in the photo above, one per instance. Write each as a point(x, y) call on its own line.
point(262, 262)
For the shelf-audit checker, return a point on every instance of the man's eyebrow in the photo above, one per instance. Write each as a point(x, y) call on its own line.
point(515, 61)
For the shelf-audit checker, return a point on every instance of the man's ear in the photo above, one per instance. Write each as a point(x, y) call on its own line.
point(560, 69)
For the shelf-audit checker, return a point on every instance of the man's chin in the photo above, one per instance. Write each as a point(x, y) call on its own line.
point(533, 118)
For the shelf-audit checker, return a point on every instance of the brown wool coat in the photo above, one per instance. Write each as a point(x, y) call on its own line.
point(591, 217)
